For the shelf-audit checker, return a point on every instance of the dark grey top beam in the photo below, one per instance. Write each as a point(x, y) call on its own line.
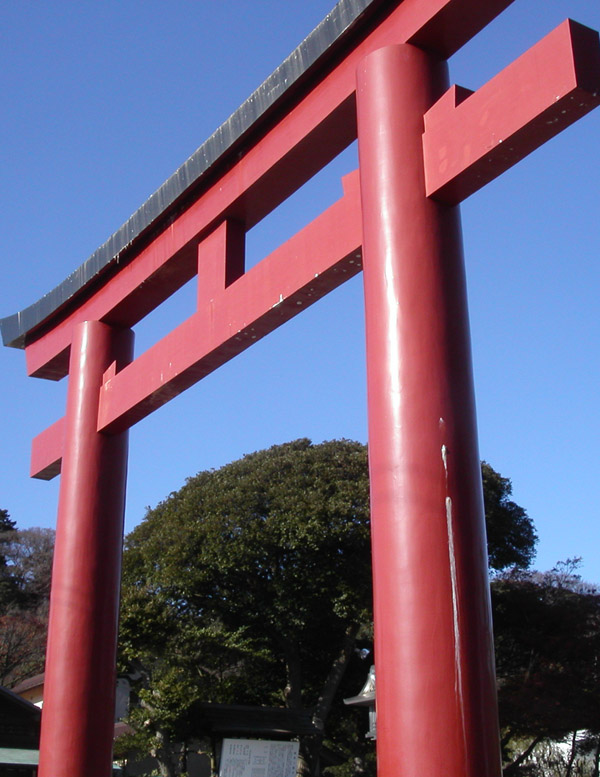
point(16, 328)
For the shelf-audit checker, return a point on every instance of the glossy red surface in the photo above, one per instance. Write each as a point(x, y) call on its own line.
point(435, 676)
point(436, 707)
point(471, 138)
point(79, 687)
point(317, 124)
point(229, 319)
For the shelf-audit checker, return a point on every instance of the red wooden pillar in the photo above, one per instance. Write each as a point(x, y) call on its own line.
point(436, 699)
point(79, 688)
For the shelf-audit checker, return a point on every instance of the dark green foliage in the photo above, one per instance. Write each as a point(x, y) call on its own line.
point(8, 585)
point(275, 541)
point(547, 632)
point(6, 524)
point(25, 571)
point(22, 645)
point(29, 554)
point(511, 533)
point(252, 585)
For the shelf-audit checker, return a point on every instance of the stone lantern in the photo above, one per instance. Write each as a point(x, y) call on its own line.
point(366, 698)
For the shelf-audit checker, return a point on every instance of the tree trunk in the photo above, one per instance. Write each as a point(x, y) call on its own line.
point(512, 768)
point(572, 755)
point(166, 755)
point(293, 688)
point(335, 676)
point(304, 764)
point(310, 746)
point(293, 700)
point(596, 772)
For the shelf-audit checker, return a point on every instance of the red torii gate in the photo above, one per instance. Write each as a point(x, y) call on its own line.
point(373, 70)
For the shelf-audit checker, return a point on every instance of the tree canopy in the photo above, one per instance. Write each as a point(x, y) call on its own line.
point(510, 531)
point(6, 523)
point(252, 584)
point(25, 572)
point(263, 565)
point(7, 583)
point(547, 634)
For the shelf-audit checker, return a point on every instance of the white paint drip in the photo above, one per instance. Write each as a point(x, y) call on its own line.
point(458, 684)
point(453, 580)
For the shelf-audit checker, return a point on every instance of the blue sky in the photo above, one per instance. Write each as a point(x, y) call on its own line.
point(103, 101)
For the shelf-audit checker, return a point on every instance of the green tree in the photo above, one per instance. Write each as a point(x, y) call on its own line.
point(547, 634)
point(6, 523)
point(25, 572)
point(8, 586)
point(264, 567)
point(22, 645)
point(252, 584)
point(28, 554)
point(510, 531)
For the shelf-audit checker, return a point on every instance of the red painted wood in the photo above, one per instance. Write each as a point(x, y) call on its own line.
point(470, 139)
point(316, 260)
point(436, 702)
point(79, 687)
point(292, 148)
point(538, 95)
point(221, 260)
point(46, 451)
point(264, 177)
point(436, 690)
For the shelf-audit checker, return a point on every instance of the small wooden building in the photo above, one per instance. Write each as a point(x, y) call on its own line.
point(19, 735)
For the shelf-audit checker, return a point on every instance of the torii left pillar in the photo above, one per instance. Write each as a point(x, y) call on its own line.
point(79, 687)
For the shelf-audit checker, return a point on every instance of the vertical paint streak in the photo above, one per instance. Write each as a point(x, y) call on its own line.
point(458, 683)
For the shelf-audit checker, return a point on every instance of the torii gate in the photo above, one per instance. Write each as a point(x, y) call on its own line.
point(373, 69)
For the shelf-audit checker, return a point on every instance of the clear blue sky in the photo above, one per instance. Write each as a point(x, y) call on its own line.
point(103, 101)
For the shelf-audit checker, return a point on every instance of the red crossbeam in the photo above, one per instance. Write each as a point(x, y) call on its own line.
point(292, 149)
point(46, 451)
point(229, 319)
point(471, 138)
point(423, 455)
point(317, 259)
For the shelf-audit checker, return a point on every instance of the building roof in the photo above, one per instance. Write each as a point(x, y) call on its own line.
point(243, 720)
point(30, 682)
point(19, 721)
point(14, 756)
point(177, 190)
point(11, 698)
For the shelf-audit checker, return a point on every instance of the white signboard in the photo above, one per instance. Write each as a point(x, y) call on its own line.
point(258, 758)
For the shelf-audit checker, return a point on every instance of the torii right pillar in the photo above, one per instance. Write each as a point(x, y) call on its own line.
point(436, 696)
point(417, 139)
